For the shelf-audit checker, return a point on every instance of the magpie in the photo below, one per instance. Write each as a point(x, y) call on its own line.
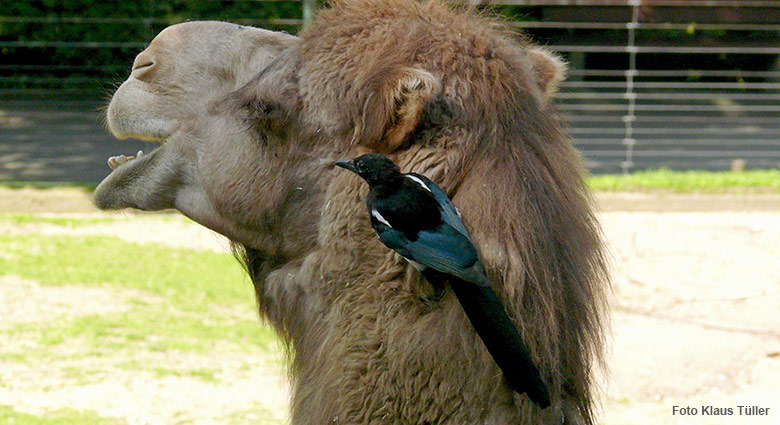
point(414, 217)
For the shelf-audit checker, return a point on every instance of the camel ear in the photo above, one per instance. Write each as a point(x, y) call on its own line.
point(393, 108)
point(549, 69)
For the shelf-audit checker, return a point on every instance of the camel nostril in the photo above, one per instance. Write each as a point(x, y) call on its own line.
point(140, 68)
point(143, 65)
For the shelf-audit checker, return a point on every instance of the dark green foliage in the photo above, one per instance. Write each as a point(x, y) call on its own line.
point(92, 43)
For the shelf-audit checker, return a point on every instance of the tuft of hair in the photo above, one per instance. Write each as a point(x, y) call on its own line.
point(549, 68)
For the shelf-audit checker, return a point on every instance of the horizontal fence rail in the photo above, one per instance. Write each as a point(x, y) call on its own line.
point(652, 83)
point(687, 84)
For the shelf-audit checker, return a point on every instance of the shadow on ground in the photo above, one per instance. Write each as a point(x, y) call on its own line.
point(57, 139)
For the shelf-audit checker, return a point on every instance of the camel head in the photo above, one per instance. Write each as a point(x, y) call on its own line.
point(183, 68)
point(249, 119)
point(209, 165)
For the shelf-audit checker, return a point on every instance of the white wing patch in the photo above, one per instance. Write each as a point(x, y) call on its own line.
point(420, 182)
point(381, 219)
point(416, 265)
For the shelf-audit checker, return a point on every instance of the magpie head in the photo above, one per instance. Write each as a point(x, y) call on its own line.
point(374, 168)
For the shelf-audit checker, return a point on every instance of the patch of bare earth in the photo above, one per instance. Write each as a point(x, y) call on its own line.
point(696, 319)
point(166, 228)
point(159, 229)
point(26, 301)
point(150, 387)
point(58, 200)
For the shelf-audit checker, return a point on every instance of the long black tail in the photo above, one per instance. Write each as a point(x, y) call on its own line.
point(504, 343)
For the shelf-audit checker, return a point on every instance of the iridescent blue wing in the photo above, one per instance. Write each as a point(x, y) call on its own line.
point(450, 213)
point(445, 250)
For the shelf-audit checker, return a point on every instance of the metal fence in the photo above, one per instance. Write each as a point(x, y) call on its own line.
point(668, 83)
point(653, 83)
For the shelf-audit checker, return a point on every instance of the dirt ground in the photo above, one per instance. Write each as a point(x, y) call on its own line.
point(695, 311)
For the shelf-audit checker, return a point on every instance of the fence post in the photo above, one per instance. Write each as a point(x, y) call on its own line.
point(308, 11)
point(629, 95)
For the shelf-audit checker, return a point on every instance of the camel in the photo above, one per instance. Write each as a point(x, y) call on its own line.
point(247, 149)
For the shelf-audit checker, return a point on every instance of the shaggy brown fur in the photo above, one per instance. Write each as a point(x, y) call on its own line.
point(454, 97)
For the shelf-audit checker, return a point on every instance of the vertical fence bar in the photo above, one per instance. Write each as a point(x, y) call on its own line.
point(308, 11)
point(629, 95)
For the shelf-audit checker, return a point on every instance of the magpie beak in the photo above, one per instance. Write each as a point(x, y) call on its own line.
point(349, 164)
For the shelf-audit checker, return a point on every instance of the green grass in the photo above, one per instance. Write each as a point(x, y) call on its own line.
point(158, 328)
point(255, 415)
point(71, 222)
point(9, 416)
point(170, 302)
point(203, 374)
point(189, 278)
point(184, 287)
point(183, 300)
point(749, 181)
point(23, 184)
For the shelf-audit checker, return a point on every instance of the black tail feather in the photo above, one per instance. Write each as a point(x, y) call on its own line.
point(489, 318)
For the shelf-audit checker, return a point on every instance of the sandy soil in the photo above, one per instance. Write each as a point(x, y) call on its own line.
point(26, 301)
point(695, 316)
point(696, 319)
